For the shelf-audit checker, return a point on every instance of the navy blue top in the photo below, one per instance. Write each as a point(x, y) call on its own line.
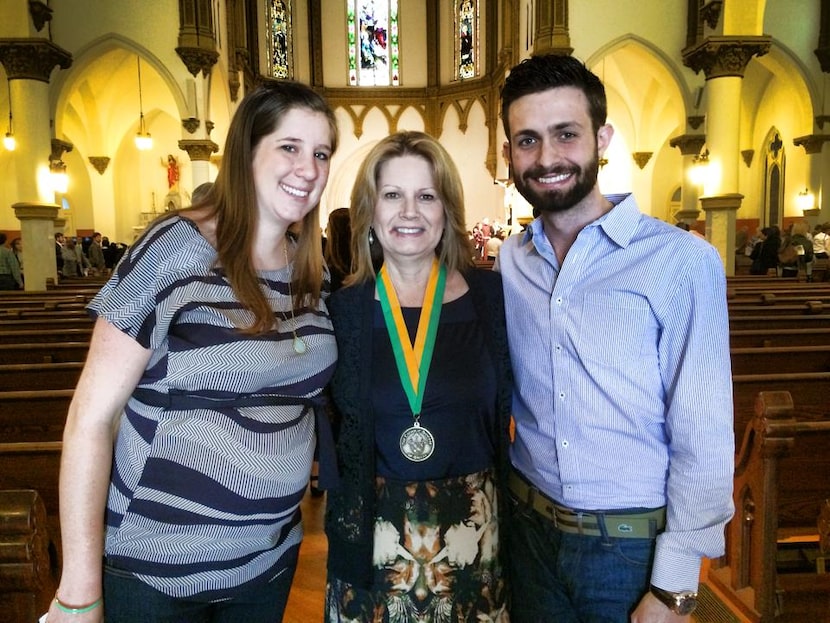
point(459, 406)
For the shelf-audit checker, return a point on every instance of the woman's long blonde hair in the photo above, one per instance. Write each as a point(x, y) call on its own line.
point(454, 249)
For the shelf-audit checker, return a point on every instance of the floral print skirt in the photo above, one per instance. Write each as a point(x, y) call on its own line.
point(435, 556)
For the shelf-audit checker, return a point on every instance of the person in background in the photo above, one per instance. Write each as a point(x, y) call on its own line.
point(17, 249)
point(821, 242)
point(211, 345)
point(10, 277)
point(765, 253)
point(422, 387)
point(96, 254)
point(338, 253)
point(73, 259)
point(60, 241)
point(619, 338)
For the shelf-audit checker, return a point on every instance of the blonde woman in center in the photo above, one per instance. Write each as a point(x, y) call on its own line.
point(423, 388)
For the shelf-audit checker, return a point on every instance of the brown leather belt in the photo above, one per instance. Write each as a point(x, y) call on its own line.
point(640, 525)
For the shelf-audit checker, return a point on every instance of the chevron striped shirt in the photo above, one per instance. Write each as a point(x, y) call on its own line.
point(214, 449)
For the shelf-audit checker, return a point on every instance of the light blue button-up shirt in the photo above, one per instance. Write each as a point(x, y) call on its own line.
point(623, 395)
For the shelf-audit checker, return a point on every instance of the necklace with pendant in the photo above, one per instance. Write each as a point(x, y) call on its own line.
point(299, 344)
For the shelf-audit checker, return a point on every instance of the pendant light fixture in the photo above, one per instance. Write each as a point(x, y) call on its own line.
point(8, 141)
point(143, 140)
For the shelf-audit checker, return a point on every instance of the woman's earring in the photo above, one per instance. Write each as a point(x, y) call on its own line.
point(371, 236)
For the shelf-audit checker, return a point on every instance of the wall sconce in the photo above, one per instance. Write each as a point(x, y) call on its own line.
point(700, 168)
point(8, 141)
point(805, 200)
point(143, 140)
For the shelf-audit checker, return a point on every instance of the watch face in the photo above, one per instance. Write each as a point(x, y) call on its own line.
point(686, 605)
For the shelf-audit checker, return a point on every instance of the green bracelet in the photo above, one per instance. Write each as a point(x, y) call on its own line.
point(81, 610)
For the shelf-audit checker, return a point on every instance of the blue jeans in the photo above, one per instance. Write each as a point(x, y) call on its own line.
point(129, 600)
point(567, 578)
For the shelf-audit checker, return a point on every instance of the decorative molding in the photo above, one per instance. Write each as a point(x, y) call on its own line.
point(710, 13)
point(32, 59)
point(747, 155)
point(642, 157)
point(191, 124)
point(689, 144)
point(823, 56)
point(198, 59)
point(695, 121)
point(209, 125)
point(41, 14)
point(719, 57)
point(812, 143)
point(199, 149)
point(821, 120)
point(100, 163)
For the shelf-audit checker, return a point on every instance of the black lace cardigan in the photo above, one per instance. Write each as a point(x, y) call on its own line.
point(350, 506)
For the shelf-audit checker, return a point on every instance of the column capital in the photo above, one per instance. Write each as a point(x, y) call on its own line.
point(26, 211)
point(720, 56)
point(198, 59)
point(823, 56)
point(32, 59)
point(811, 143)
point(725, 202)
point(199, 149)
point(689, 144)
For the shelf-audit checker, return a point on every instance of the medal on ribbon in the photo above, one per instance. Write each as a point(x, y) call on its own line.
point(417, 443)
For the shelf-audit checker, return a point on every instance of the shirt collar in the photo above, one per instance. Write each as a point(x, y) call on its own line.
point(619, 223)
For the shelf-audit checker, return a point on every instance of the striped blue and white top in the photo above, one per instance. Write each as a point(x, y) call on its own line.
point(214, 449)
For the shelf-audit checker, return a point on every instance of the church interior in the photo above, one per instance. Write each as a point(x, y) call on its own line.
point(114, 112)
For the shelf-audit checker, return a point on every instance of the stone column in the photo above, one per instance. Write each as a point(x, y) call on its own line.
point(103, 196)
point(199, 152)
point(690, 146)
point(723, 60)
point(37, 228)
point(720, 225)
point(819, 161)
point(29, 63)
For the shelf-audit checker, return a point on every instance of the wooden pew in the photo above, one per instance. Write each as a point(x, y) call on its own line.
point(806, 308)
point(37, 415)
point(43, 352)
point(48, 334)
point(39, 324)
point(45, 315)
point(773, 323)
point(808, 388)
point(781, 481)
point(748, 338)
point(28, 564)
point(39, 376)
point(772, 359)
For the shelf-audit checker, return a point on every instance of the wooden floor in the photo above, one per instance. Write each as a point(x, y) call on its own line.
point(305, 603)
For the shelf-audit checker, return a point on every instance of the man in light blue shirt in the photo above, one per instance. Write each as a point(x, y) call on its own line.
point(619, 336)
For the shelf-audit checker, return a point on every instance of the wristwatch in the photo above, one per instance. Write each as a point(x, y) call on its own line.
point(682, 603)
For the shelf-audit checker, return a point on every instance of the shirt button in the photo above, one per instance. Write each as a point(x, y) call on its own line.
point(562, 395)
point(565, 444)
point(558, 300)
point(558, 348)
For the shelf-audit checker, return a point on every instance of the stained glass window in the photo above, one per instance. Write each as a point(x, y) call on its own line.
point(373, 42)
point(279, 39)
point(466, 39)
